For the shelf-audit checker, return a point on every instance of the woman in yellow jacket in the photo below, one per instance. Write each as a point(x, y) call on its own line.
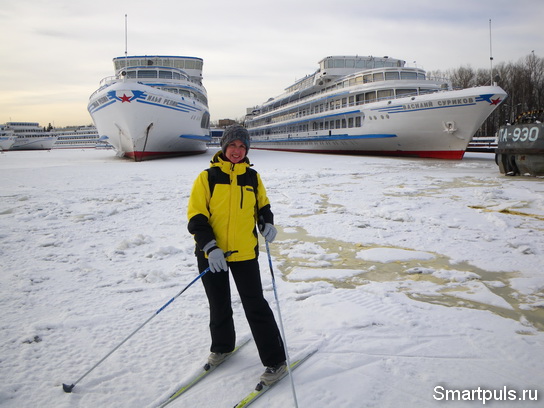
point(225, 204)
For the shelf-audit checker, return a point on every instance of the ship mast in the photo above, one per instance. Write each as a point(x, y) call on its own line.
point(126, 41)
point(490, 55)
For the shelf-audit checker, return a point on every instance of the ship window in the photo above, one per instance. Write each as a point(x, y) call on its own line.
point(421, 76)
point(131, 74)
point(385, 94)
point(367, 78)
point(358, 121)
point(378, 76)
point(360, 99)
point(390, 76)
point(190, 64)
point(350, 63)
point(359, 80)
point(360, 64)
point(205, 121)
point(370, 96)
point(406, 92)
point(408, 75)
point(350, 122)
point(165, 74)
point(147, 74)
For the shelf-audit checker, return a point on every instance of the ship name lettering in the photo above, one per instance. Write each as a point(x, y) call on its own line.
point(170, 102)
point(417, 105)
point(458, 101)
point(152, 98)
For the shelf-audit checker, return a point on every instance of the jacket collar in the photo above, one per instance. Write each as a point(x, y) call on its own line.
point(226, 166)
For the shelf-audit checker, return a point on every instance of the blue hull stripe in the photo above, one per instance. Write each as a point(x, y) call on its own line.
point(326, 138)
point(206, 138)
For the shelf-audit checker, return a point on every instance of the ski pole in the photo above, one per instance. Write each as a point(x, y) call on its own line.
point(69, 388)
point(281, 324)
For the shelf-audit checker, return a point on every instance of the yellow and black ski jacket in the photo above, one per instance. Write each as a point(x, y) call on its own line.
point(225, 204)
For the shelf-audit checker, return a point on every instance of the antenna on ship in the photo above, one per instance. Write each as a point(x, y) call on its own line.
point(126, 40)
point(126, 49)
point(490, 55)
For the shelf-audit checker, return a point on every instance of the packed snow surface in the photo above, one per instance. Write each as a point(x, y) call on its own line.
point(410, 277)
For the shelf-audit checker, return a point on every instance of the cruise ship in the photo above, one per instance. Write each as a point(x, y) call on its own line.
point(31, 136)
point(374, 106)
point(155, 106)
point(77, 137)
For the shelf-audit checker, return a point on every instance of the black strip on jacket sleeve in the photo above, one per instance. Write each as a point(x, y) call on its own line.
point(266, 214)
point(201, 229)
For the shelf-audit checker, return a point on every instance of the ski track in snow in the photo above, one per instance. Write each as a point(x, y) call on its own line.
point(405, 274)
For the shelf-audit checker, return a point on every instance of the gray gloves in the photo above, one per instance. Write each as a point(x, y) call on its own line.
point(269, 232)
point(216, 257)
point(217, 261)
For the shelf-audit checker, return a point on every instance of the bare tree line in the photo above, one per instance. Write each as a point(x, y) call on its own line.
point(523, 81)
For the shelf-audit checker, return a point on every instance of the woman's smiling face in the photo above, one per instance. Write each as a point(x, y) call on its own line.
point(236, 151)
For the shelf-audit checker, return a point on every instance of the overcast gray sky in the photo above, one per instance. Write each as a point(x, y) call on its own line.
point(55, 52)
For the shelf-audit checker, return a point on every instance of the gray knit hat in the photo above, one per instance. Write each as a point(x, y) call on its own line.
point(232, 133)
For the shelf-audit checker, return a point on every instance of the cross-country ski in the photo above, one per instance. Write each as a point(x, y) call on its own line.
point(260, 389)
point(206, 370)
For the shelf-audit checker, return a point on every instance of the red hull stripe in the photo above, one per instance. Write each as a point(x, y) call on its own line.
point(439, 154)
point(141, 156)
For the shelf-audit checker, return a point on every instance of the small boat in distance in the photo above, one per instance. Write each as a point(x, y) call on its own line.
point(31, 136)
point(154, 107)
point(374, 106)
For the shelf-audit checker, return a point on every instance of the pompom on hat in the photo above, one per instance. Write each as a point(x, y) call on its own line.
point(232, 133)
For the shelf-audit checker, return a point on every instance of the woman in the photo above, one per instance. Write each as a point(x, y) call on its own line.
point(225, 203)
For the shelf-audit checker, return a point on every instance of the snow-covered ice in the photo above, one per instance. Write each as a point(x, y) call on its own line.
point(405, 274)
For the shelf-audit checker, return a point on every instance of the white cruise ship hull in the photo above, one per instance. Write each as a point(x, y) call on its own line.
point(6, 142)
point(142, 122)
point(34, 143)
point(438, 125)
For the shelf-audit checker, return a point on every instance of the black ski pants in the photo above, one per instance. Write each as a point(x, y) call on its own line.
point(262, 323)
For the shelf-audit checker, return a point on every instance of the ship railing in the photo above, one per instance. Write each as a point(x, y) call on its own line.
point(107, 80)
point(307, 112)
point(296, 102)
